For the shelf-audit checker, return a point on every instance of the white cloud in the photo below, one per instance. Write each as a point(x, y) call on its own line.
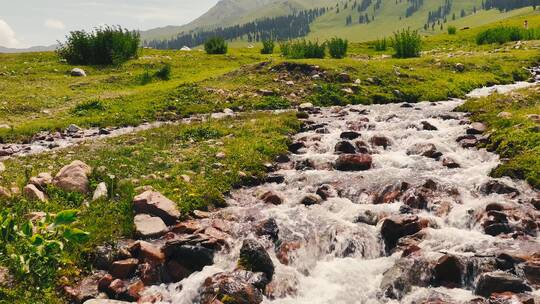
point(7, 35)
point(55, 24)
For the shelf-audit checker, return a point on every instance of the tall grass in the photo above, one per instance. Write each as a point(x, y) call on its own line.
point(302, 49)
point(503, 34)
point(216, 45)
point(381, 45)
point(268, 46)
point(337, 47)
point(407, 44)
point(103, 46)
point(452, 30)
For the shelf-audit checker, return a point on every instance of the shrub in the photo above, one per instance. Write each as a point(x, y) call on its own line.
point(83, 108)
point(302, 49)
point(381, 45)
point(329, 95)
point(407, 44)
point(268, 46)
point(452, 30)
point(503, 34)
point(272, 103)
point(164, 73)
point(103, 46)
point(145, 77)
point(337, 47)
point(216, 45)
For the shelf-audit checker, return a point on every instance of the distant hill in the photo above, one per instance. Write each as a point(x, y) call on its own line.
point(356, 20)
point(28, 50)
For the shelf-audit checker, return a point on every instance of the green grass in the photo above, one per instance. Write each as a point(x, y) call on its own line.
point(157, 158)
point(515, 138)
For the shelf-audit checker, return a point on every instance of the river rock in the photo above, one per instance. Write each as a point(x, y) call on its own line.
point(4, 193)
point(74, 177)
point(77, 72)
point(149, 274)
point(406, 273)
point(396, 227)
point(326, 191)
point(42, 180)
point(124, 269)
point(311, 199)
point(531, 269)
point(305, 106)
point(353, 162)
point(428, 126)
point(450, 163)
point(344, 147)
point(271, 197)
point(380, 141)
point(268, 228)
point(155, 203)
point(296, 146)
point(389, 193)
point(100, 192)
point(147, 226)
point(33, 193)
point(147, 252)
point(253, 257)
point(448, 271)
point(71, 129)
point(424, 149)
point(418, 197)
point(497, 187)
point(476, 128)
point(189, 258)
point(350, 135)
point(492, 282)
point(84, 290)
point(237, 287)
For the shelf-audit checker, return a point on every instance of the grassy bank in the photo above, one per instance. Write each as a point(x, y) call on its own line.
point(179, 161)
point(514, 131)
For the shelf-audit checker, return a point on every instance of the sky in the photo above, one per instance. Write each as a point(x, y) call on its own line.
point(25, 23)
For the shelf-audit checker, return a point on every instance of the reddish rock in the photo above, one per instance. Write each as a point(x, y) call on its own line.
point(134, 290)
point(344, 147)
point(176, 271)
point(117, 289)
point(284, 251)
point(396, 227)
point(155, 203)
point(270, 197)
point(149, 274)
point(74, 177)
point(124, 269)
point(147, 252)
point(390, 193)
point(356, 162)
point(147, 226)
point(448, 271)
point(236, 287)
point(380, 141)
point(187, 227)
point(497, 282)
point(86, 289)
point(417, 198)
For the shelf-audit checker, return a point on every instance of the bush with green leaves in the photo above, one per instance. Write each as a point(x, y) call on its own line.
point(503, 34)
point(302, 49)
point(215, 45)
point(337, 47)
point(107, 45)
point(407, 44)
point(381, 45)
point(34, 250)
point(164, 73)
point(268, 46)
point(452, 30)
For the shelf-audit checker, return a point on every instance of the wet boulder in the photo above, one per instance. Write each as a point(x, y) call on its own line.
point(531, 269)
point(344, 147)
point(353, 162)
point(497, 187)
point(186, 258)
point(396, 227)
point(296, 146)
point(326, 192)
point(497, 282)
point(389, 193)
point(74, 177)
point(147, 252)
point(237, 287)
point(253, 257)
point(476, 128)
point(418, 197)
point(448, 271)
point(424, 149)
point(450, 163)
point(380, 141)
point(406, 273)
point(271, 197)
point(311, 199)
point(350, 135)
point(428, 126)
point(156, 204)
point(124, 269)
point(268, 228)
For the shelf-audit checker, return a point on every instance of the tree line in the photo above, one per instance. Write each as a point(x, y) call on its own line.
point(508, 5)
point(287, 27)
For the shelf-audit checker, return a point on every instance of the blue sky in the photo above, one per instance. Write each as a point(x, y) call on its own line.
point(25, 23)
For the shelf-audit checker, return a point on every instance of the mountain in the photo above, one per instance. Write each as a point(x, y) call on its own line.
point(28, 50)
point(356, 20)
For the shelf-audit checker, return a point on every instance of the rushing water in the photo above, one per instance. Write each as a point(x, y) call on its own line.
point(341, 260)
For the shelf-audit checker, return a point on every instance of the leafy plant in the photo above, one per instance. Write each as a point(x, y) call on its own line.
point(272, 103)
point(337, 47)
point(381, 45)
point(164, 73)
point(268, 46)
point(34, 249)
point(452, 30)
point(329, 95)
point(103, 46)
point(407, 44)
point(145, 77)
point(83, 108)
point(216, 45)
point(503, 34)
point(302, 49)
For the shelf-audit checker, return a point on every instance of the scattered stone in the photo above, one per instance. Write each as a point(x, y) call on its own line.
point(147, 226)
point(239, 287)
point(2, 167)
point(182, 259)
point(353, 162)
point(326, 191)
point(534, 118)
point(147, 252)
point(460, 67)
point(253, 257)
point(477, 128)
point(426, 150)
point(264, 92)
point(428, 127)
point(310, 200)
point(84, 290)
point(498, 187)
point(268, 228)
point(155, 203)
point(450, 163)
point(505, 115)
point(124, 269)
point(73, 129)
point(498, 282)
point(100, 192)
point(33, 193)
point(448, 271)
point(350, 135)
point(77, 72)
point(74, 177)
point(343, 77)
point(406, 273)
point(4, 193)
point(270, 197)
point(42, 180)
point(344, 147)
point(302, 115)
point(396, 227)
point(305, 106)
point(220, 155)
